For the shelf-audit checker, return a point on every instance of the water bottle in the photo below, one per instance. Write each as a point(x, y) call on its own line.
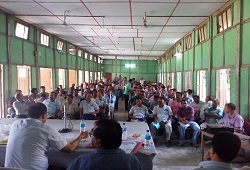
point(124, 131)
point(147, 141)
point(82, 126)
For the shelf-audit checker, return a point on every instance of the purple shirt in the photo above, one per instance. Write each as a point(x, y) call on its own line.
point(184, 112)
point(234, 120)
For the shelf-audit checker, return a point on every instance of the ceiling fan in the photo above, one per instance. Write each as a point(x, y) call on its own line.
point(144, 21)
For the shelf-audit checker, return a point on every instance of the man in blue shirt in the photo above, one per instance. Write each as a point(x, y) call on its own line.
point(106, 139)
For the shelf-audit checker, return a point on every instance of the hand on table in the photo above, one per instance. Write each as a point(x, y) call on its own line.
point(84, 135)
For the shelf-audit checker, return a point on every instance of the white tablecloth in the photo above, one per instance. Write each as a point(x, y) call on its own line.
point(62, 159)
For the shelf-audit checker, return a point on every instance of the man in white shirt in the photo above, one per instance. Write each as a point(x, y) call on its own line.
point(21, 106)
point(196, 104)
point(162, 114)
point(30, 140)
point(138, 112)
point(88, 108)
point(70, 108)
point(207, 104)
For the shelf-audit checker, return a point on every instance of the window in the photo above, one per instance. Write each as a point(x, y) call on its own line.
point(91, 77)
point(44, 39)
point(170, 80)
point(94, 59)
point(223, 86)
point(72, 77)
point(86, 55)
point(87, 76)
point(99, 75)
point(178, 81)
point(101, 61)
point(80, 72)
point(21, 31)
point(79, 53)
point(46, 78)
point(201, 84)
point(60, 45)
point(178, 48)
point(202, 33)
point(95, 76)
point(23, 79)
point(188, 82)
point(173, 51)
point(90, 57)
point(72, 49)
point(224, 19)
point(98, 60)
point(61, 76)
point(188, 40)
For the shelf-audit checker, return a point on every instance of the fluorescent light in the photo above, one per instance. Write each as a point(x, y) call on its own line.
point(130, 65)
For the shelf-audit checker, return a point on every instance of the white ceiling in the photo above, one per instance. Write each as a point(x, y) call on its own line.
point(114, 28)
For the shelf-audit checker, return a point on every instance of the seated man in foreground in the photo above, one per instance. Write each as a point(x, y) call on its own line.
point(225, 147)
point(106, 139)
point(30, 140)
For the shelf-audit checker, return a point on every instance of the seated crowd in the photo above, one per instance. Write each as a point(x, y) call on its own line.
point(160, 107)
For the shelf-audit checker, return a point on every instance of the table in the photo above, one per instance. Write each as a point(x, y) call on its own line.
point(63, 159)
point(244, 141)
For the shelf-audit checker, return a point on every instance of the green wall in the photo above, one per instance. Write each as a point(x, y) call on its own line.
point(143, 68)
point(229, 49)
point(22, 52)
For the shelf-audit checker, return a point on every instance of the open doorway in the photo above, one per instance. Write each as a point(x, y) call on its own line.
point(87, 76)
point(23, 79)
point(91, 77)
point(188, 82)
point(223, 86)
point(46, 78)
point(201, 84)
point(80, 75)
point(179, 81)
point(72, 77)
point(61, 76)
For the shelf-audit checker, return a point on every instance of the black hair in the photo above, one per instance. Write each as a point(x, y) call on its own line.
point(64, 92)
point(137, 98)
point(130, 80)
point(190, 91)
point(33, 90)
point(226, 145)
point(36, 110)
point(196, 96)
point(109, 132)
point(70, 95)
point(231, 106)
point(42, 87)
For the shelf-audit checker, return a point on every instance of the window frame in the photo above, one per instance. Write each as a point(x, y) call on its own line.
point(24, 26)
point(188, 41)
point(220, 19)
point(202, 33)
point(61, 45)
point(42, 34)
